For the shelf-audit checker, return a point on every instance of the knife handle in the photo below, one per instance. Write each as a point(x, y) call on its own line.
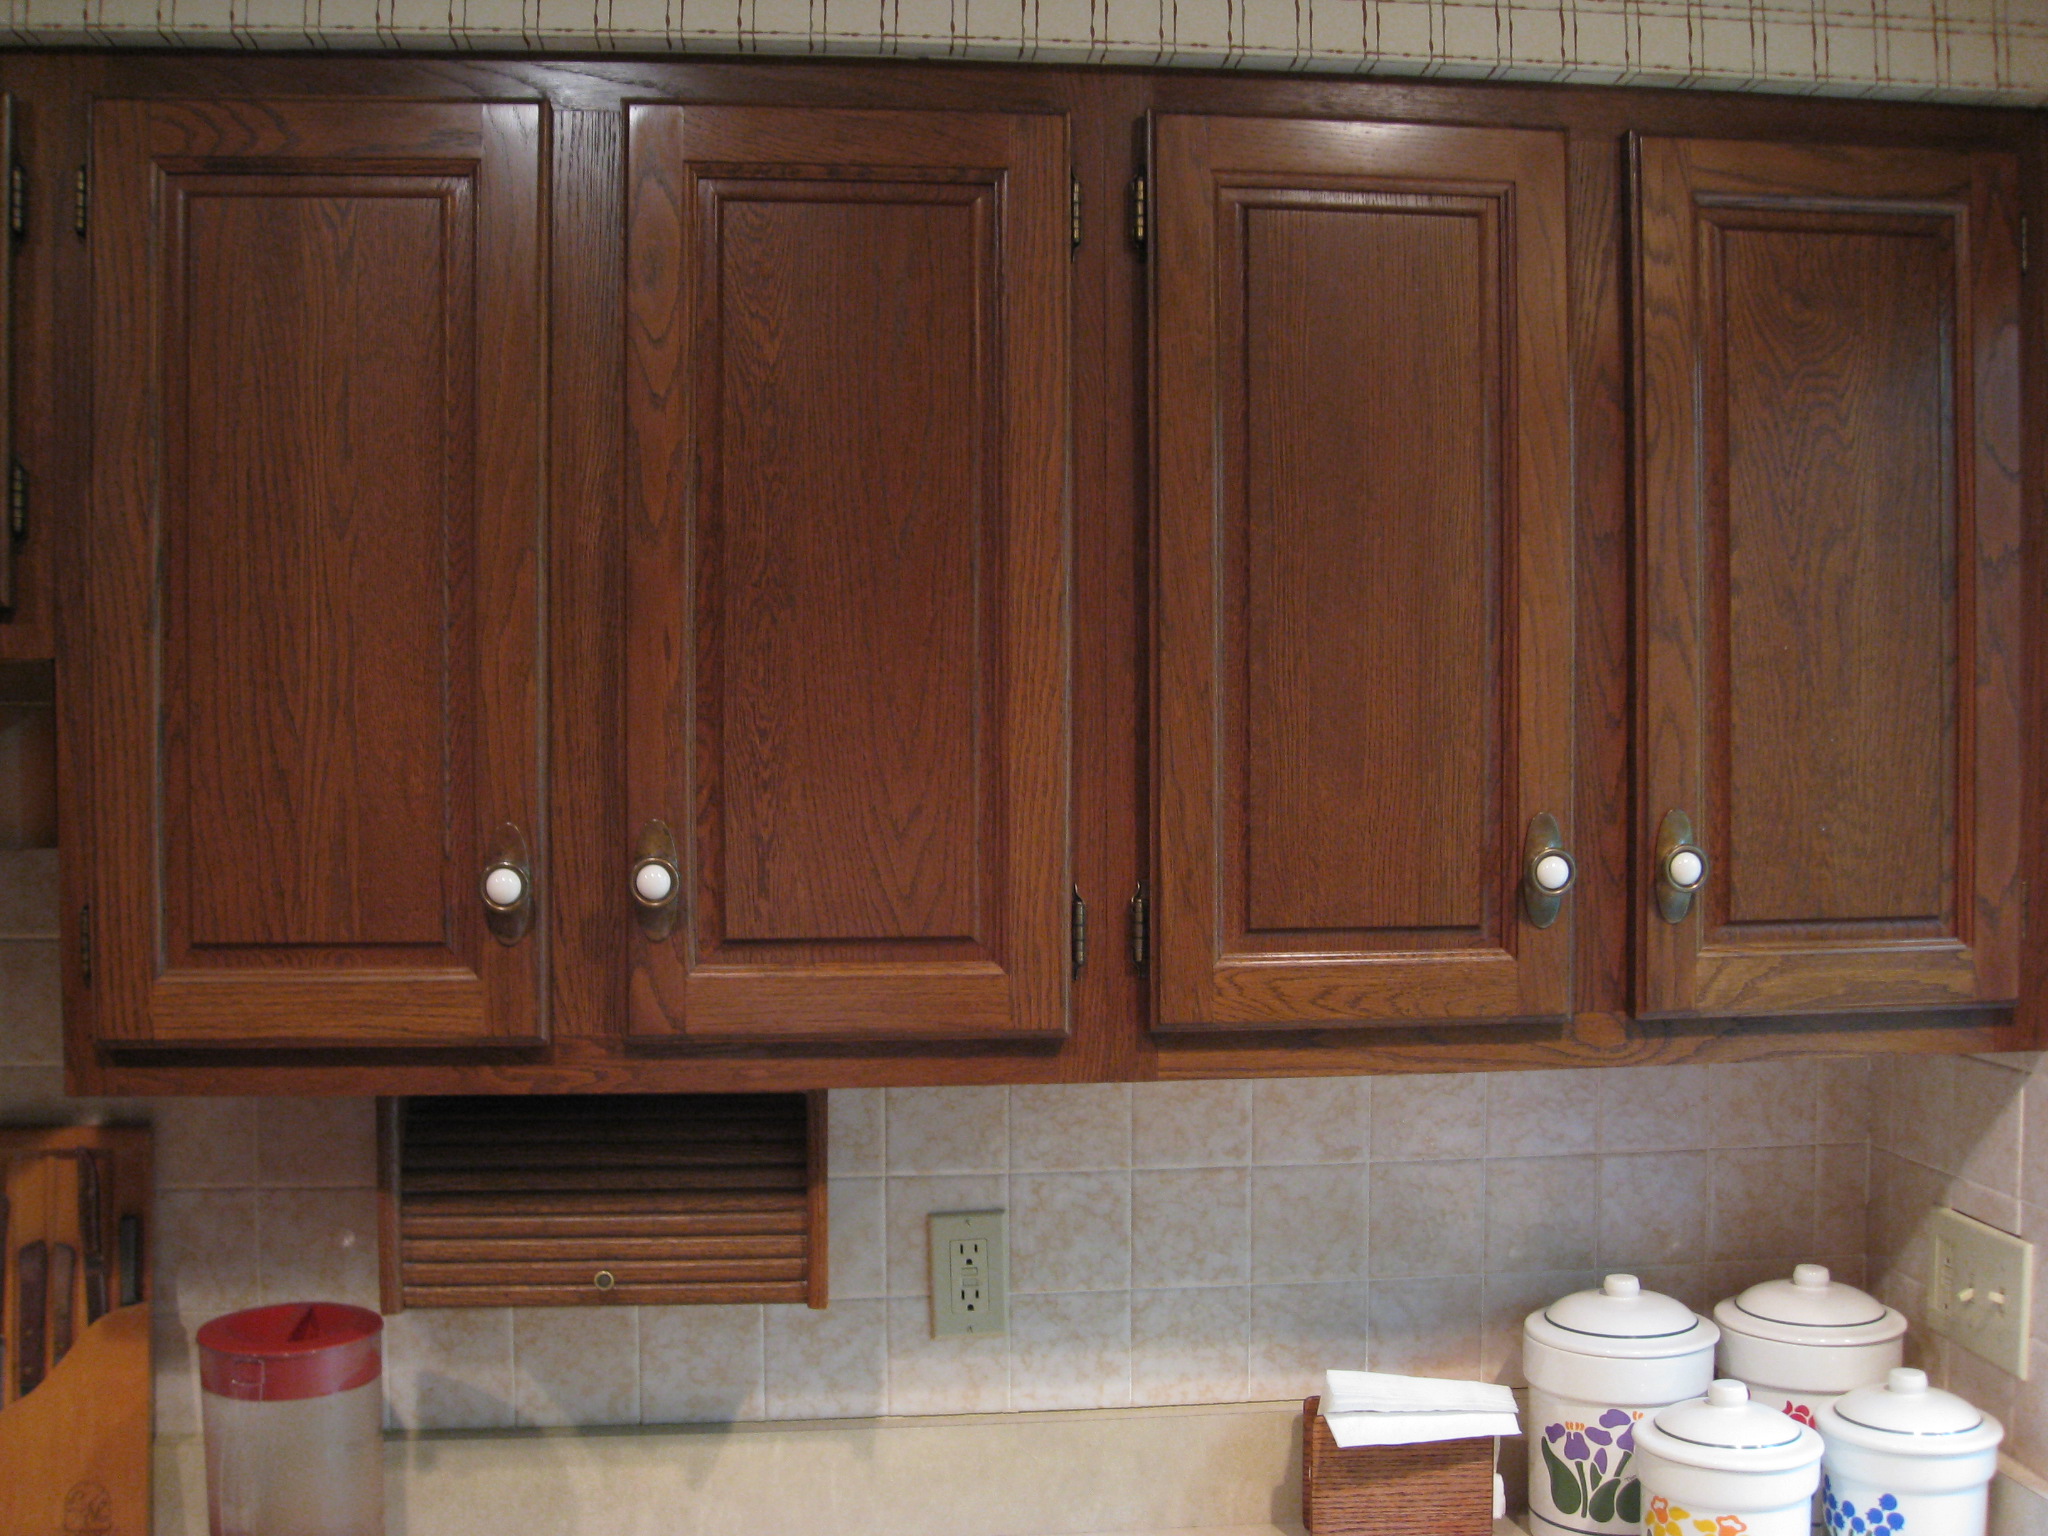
point(31, 1301)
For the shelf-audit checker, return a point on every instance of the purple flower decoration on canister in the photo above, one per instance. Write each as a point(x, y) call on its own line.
point(1619, 1419)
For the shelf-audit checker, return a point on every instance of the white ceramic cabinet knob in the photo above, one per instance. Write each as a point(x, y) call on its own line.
point(504, 887)
point(654, 882)
point(1686, 869)
point(1553, 872)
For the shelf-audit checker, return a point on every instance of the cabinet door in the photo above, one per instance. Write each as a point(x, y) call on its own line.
point(1829, 533)
point(1364, 570)
point(847, 686)
point(315, 569)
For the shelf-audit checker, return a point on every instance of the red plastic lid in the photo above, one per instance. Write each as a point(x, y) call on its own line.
point(301, 1349)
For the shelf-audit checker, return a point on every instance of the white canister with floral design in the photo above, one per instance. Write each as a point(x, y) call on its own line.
point(1801, 1343)
point(1597, 1361)
point(1726, 1465)
point(1906, 1460)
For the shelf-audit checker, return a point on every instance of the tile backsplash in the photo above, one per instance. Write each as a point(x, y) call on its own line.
point(1977, 48)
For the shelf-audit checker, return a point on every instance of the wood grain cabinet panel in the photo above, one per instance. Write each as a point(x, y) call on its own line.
point(1829, 514)
point(846, 628)
point(1364, 569)
point(316, 577)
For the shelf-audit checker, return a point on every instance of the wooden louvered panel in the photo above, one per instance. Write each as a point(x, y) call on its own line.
point(703, 1199)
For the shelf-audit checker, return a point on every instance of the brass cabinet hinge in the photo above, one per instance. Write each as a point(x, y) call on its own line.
point(1138, 212)
point(85, 944)
point(81, 198)
point(1141, 927)
point(1073, 210)
point(17, 500)
point(1077, 918)
point(17, 200)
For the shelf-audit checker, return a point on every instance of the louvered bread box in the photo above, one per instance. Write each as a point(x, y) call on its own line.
point(602, 1200)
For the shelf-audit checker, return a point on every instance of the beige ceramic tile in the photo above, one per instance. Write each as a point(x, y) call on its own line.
point(853, 1134)
point(1902, 1195)
point(1542, 1114)
point(701, 1365)
point(1763, 1103)
point(830, 1364)
point(1309, 1223)
point(31, 1004)
point(316, 1143)
point(1300, 1331)
point(910, 1204)
point(1070, 1231)
point(205, 1143)
point(1654, 1109)
point(1426, 1327)
point(953, 1375)
point(1070, 1351)
point(857, 1242)
point(1918, 1120)
point(449, 1368)
point(1653, 1208)
point(948, 1130)
point(1843, 1099)
point(1311, 1120)
point(2034, 1141)
point(1429, 1116)
point(1841, 1202)
point(28, 893)
point(1070, 1126)
point(319, 1245)
point(207, 1259)
point(1428, 1219)
point(1989, 1110)
point(1542, 1213)
point(1189, 1346)
point(1189, 1227)
point(1763, 1204)
point(1190, 1125)
point(576, 1365)
point(1986, 1205)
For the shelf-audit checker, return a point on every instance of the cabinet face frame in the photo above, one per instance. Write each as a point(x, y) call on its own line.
point(1964, 209)
point(964, 934)
point(1218, 964)
point(192, 947)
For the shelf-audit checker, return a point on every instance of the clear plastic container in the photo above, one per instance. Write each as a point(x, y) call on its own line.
point(293, 1404)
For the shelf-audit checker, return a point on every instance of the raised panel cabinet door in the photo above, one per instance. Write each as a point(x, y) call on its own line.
point(1829, 603)
point(1363, 591)
point(847, 687)
point(315, 571)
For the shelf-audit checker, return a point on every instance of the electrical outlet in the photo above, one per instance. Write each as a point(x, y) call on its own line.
point(970, 1274)
point(1980, 1289)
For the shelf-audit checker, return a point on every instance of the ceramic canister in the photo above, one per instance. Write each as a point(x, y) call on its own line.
point(1906, 1460)
point(1597, 1361)
point(1800, 1343)
point(1726, 1465)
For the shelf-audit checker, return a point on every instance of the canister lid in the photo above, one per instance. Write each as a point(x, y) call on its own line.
point(1624, 1320)
point(298, 1350)
point(1906, 1414)
point(1725, 1431)
point(1811, 1308)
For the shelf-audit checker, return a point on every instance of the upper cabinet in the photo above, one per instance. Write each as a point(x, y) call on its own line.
point(1829, 620)
point(314, 762)
point(846, 622)
point(1363, 606)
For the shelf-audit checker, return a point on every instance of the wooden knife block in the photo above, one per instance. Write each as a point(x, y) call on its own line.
point(1444, 1488)
point(74, 1447)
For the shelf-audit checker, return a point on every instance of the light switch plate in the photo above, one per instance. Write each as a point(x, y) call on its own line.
point(970, 1274)
point(1980, 1289)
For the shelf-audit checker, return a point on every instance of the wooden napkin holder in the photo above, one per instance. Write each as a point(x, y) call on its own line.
point(1444, 1488)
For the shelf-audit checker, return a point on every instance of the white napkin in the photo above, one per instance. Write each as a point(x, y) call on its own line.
point(1369, 1408)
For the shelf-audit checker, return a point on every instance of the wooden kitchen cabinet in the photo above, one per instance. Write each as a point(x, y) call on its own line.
point(1363, 607)
point(315, 556)
point(846, 696)
point(1829, 625)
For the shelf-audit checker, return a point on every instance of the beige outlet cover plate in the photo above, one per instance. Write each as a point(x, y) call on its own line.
point(1980, 1289)
point(970, 1274)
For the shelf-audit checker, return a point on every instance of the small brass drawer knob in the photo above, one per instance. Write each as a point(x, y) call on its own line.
point(604, 1280)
